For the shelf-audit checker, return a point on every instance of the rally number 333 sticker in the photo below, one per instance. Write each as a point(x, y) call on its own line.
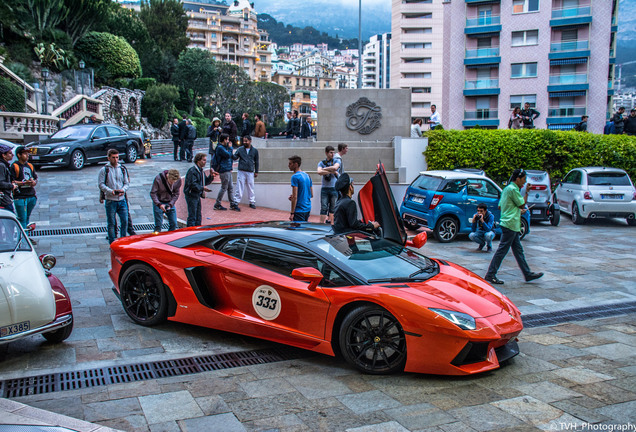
point(266, 302)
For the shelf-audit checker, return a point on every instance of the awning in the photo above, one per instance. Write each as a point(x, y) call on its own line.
point(482, 66)
point(562, 126)
point(568, 61)
point(567, 93)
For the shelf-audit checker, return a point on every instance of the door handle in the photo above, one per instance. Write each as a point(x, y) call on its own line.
point(472, 200)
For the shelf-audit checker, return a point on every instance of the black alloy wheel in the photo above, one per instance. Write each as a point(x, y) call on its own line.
point(131, 153)
point(372, 340)
point(78, 160)
point(446, 229)
point(143, 295)
point(59, 335)
point(576, 216)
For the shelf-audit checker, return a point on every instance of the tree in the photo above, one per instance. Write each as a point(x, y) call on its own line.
point(83, 16)
point(34, 17)
point(167, 23)
point(230, 83)
point(158, 103)
point(11, 95)
point(196, 72)
point(268, 99)
point(127, 24)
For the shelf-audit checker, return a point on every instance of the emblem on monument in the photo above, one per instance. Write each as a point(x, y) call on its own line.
point(363, 116)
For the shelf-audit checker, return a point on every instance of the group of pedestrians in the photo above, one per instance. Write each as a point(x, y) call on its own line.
point(433, 121)
point(523, 118)
point(17, 184)
point(622, 124)
point(297, 127)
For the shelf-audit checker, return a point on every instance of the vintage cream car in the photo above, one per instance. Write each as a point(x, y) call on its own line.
point(32, 300)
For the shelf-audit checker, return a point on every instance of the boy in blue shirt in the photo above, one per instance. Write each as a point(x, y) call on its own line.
point(302, 191)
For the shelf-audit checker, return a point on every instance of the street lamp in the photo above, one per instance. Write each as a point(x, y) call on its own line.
point(45, 76)
point(81, 66)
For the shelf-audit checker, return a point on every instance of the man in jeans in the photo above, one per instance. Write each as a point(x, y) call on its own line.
point(25, 178)
point(113, 182)
point(302, 191)
point(164, 193)
point(195, 188)
point(482, 232)
point(512, 207)
point(223, 155)
point(328, 170)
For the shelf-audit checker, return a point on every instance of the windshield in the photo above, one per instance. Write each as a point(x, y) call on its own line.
point(11, 236)
point(376, 259)
point(608, 179)
point(75, 132)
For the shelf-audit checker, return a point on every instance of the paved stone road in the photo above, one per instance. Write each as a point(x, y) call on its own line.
point(578, 372)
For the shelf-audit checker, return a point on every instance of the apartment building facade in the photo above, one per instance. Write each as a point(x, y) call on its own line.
point(557, 55)
point(376, 62)
point(231, 34)
point(417, 48)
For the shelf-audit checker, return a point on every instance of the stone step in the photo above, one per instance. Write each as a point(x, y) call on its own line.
point(356, 159)
point(359, 177)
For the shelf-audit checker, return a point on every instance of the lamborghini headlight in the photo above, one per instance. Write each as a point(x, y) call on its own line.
point(461, 320)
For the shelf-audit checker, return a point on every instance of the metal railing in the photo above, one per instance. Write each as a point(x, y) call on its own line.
point(482, 52)
point(571, 111)
point(577, 45)
point(571, 12)
point(481, 114)
point(576, 78)
point(481, 84)
point(483, 21)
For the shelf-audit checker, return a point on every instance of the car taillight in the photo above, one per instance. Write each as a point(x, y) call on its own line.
point(436, 200)
point(538, 187)
point(587, 195)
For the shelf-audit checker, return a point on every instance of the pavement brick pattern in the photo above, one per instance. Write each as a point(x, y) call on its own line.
point(566, 375)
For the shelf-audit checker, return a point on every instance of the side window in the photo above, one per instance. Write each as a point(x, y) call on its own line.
point(570, 177)
point(577, 177)
point(113, 131)
point(454, 186)
point(332, 278)
point(234, 247)
point(482, 188)
point(99, 133)
point(277, 256)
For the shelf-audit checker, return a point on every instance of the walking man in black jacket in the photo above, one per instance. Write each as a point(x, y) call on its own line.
point(183, 133)
point(195, 188)
point(176, 140)
point(247, 156)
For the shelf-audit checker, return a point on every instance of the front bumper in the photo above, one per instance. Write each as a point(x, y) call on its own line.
point(60, 322)
point(539, 211)
point(594, 209)
point(48, 160)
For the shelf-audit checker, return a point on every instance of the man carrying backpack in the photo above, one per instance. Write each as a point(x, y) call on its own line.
point(25, 178)
point(582, 125)
point(113, 182)
point(191, 135)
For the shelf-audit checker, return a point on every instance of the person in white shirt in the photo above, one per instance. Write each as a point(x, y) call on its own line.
point(416, 128)
point(435, 119)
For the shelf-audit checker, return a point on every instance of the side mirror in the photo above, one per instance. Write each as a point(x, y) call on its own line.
point(308, 274)
point(418, 241)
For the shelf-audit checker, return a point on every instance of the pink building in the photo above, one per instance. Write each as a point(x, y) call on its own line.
point(557, 55)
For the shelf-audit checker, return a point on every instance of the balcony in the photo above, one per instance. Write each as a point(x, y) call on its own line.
point(569, 49)
point(487, 24)
point(482, 56)
point(565, 115)
point(571, 16)
point(481, 117)
point(481, 87)
point(568, 82)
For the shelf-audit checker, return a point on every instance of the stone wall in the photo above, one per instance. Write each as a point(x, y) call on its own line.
point(120, 103)
point(363, 114)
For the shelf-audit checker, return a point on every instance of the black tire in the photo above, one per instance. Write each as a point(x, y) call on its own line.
point(78, 160)
point(631, 222)
point(576, 216)
point(372, 340)
point(524, 228)
point(555, 217)
point(59, 335)
point(446, 229)
point(143, 295)
point(131, 153)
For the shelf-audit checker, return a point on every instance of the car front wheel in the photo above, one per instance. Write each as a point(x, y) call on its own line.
point(59, 335)
point(131, 153)
point(446, 229)
point(143, 295)
point(576, 216)
point(631, 222)
point(372, 340)
point(77, 160)
point(524, 228)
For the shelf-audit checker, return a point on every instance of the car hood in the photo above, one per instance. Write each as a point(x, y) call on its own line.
point(25, 292)
point(458, 289)
point(54, 142)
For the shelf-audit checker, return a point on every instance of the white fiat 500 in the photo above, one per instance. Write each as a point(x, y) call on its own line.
point(593, 192)
point(32, 300)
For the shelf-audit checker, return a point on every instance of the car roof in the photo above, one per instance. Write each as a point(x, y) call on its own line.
point(8, 214)
point(453, 174)
point(9, 143)
point(600, 169)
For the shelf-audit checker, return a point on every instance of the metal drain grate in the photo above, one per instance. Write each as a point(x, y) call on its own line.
point(141, 371)
point(579, 314)
point(89, 230)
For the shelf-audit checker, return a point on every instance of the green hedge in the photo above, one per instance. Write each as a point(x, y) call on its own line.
point(110, 55)
point(499, 152)
point(11, 96)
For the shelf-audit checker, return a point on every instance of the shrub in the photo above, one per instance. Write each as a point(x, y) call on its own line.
point(201, 124)
point(158, 103)
point(22, 71)
point(499, 152)
point(110, 55)
point(11, 95)
point(142, 83)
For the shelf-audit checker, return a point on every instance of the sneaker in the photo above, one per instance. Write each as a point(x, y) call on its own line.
point(494, 280)
point(253, 206)
point(235, 208)
point(533, 276)
point(219, 207)
point(489, 249)
point(480, 247)
point(327, 221)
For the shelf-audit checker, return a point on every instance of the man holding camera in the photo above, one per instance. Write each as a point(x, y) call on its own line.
point(113, 182)
point(328, 170)
point(164, 193)
point(482, 232)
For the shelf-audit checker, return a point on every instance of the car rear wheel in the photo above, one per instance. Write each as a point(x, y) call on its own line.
point(143, 295)
point(59, 335)
point(576, 216)
point(446, 229)
point(372, 340)
point(555, 217)
point(77, 160)
point(131, 153)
